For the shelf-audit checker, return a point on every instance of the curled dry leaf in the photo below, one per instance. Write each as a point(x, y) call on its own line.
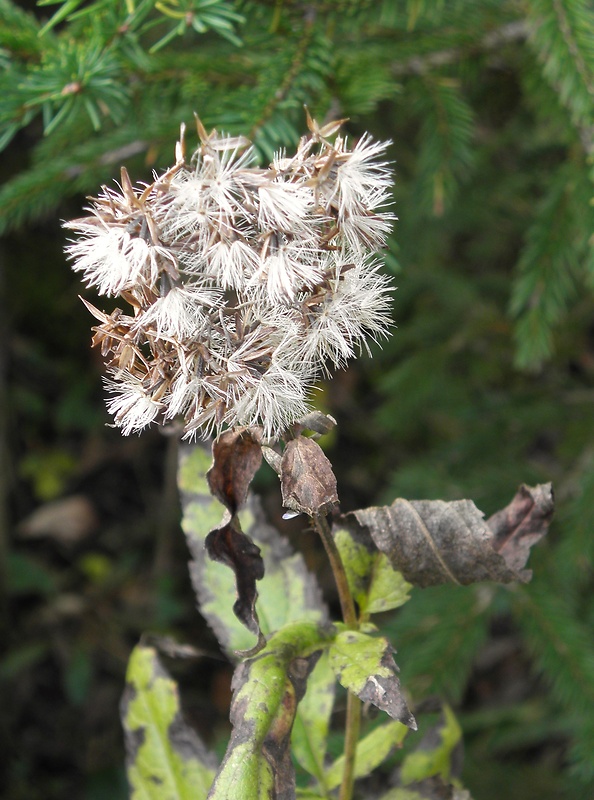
point(432, 541)
point(522, 523)
point(317, 421)
point(237, 455)
point(308, 484)
point(229, 545)
point(289, 593)
point(272, 458)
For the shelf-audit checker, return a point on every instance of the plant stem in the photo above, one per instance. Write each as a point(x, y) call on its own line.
point(351, 737)
point(347, 604)
point(349, 615)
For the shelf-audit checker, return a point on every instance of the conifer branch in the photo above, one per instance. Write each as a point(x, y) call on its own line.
point(296, 64)
point(560, 34)
point(563, 645)
point(516, 31)
point(556, 244)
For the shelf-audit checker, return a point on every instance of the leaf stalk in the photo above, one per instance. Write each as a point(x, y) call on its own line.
point(349, 615)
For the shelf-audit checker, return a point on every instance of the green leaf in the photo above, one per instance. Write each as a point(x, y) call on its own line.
point(267, 688)
point(165, 759)
point(18, 660)
point(78, 676)
point(357, 557)
point(364, 79)
point(388, 588)
point(364, 665)
point(375, 584)
point(219, 18)
point(26, 575)
point(403, 794)
point(562, 649)
point(312, 722)
point(49, 471)
point(424, 763)
point(287, 594)
point(18, 32)
point(371, 751)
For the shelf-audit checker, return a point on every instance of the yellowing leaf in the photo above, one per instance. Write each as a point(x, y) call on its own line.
point(165, 758)
point(310, 730)
point(426, 762)
point(288, 593)
point(371, 751)
point(357, 554)
point(364, 664)
point(376, 585)
point(387, 589)
point(267, 689)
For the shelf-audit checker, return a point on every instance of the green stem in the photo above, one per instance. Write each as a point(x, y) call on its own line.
point(352, 726)
point(349, 615)
point(347, 604)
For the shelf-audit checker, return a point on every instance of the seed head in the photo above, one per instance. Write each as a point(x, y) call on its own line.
point(244, 284)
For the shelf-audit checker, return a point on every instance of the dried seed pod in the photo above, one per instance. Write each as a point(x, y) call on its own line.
point(245, 283)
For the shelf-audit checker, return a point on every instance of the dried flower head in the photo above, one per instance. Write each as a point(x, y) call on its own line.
point(244, 283)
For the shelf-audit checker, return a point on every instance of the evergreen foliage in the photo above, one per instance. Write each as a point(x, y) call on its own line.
point(489, 378)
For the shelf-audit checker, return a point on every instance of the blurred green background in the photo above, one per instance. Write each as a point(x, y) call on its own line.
point(487, 382)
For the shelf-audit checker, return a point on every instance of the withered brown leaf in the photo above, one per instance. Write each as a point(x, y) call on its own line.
point(316, 421)
point(433, 541)
point(229, 545)
point(237, 455)
point(308, 484)
point(386, 693)
point(522, 523)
